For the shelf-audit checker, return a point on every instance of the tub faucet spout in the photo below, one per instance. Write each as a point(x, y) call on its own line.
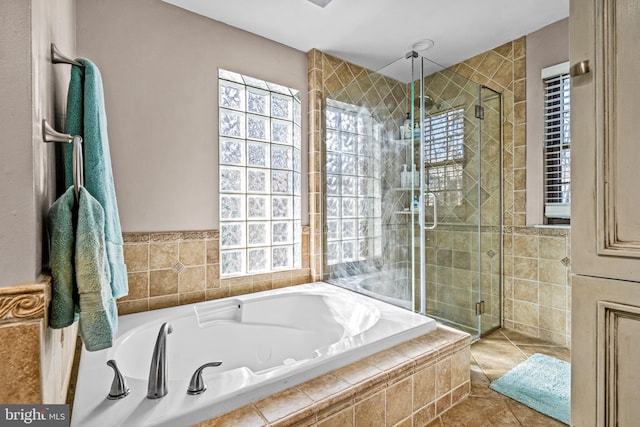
point(158, 376)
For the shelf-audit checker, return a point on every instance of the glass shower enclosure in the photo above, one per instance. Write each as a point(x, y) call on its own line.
point(412, 192)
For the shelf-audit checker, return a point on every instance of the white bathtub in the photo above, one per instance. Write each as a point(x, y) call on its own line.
point(267, 342)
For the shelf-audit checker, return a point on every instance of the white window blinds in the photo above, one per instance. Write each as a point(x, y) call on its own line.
point(557, 141)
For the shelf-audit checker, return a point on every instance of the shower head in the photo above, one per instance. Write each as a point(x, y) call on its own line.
point(321, 3)
point(428, 102)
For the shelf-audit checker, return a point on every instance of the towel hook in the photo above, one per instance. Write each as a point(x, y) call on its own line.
point(49, 134)
point(58, 58)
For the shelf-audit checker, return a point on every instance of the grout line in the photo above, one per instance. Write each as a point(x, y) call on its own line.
point(507, 403)
point(481, 368)
point(515, 345)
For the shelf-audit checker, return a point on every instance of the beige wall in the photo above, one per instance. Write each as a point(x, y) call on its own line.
point(546, 47)
point(18, 225)
point(36, 365)
point(32, 89)
point(159, 66)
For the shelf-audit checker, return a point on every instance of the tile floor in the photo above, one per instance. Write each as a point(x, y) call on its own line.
point(492, 357)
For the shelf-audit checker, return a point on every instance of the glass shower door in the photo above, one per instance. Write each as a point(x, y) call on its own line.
point(412, 207)
point(490, 259)
point(462, 178)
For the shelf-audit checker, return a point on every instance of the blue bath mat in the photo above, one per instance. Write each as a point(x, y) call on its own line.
point(542, 383)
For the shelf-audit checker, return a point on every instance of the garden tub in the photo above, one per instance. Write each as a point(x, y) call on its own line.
point(267, 342)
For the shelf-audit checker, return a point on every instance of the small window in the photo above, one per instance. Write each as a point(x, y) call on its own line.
point(444, 155)
point(557, 143)
point(260, 181)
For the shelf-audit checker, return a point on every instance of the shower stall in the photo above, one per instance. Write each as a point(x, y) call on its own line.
point(412, 191)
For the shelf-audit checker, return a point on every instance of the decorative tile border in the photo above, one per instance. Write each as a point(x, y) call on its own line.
point(24, 301)
point(35, 357)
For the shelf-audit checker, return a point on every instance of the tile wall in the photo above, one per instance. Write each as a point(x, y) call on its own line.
point(36, 360)
point(536, 261)
point(385, 99)
point(455, 251)
point(169, 269)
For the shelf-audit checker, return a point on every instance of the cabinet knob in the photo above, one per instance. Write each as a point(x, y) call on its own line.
point(580, 69)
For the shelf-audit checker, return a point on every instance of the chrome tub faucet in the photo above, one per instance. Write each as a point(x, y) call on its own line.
point(158, 376)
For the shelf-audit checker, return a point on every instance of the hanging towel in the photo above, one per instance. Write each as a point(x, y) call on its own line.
point(61, 227)
point(86, 117)
point(98, 311)
point(80, 270)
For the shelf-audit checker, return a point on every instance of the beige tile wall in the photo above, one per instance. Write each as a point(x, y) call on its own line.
point(169, 269)
point(455, 250)
point(541, 305)
point(316, 79)
point(536, 261)
point(36, 360)
point(385, 98)
point(537, 282)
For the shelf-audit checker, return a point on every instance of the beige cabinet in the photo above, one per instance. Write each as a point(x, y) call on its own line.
point(605, 150)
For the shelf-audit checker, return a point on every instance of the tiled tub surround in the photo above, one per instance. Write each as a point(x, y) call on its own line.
point(408, 385)
point(266, 341)
point(173, 268)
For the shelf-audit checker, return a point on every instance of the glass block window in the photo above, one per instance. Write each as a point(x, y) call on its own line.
point(260, 181)
point(353, 196)
point(444, 154)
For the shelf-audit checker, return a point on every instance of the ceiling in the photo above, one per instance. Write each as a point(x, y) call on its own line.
point(376, 33)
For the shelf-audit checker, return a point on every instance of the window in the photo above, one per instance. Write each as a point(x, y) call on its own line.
point(259, 161)
point(444, 153)
point(353, 203)
point(557, 142)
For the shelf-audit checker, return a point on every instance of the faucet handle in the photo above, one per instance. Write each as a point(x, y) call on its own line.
point(119, 388)
point(197, 385)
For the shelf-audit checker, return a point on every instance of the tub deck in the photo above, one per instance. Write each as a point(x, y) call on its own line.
point(346, 328)
point(408, 385)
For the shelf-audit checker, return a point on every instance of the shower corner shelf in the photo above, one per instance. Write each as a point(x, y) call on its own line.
point(404, 189)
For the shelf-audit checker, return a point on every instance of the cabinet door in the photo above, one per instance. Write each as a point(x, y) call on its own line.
point(604, 355)
point(605, 223)
point(605, 138)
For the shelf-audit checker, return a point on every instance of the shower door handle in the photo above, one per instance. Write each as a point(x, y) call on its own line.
point(435, 210)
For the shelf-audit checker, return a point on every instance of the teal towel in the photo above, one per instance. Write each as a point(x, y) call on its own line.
point(61, 227)
point(80, 270)
point(98, 310)
point(86, 117)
